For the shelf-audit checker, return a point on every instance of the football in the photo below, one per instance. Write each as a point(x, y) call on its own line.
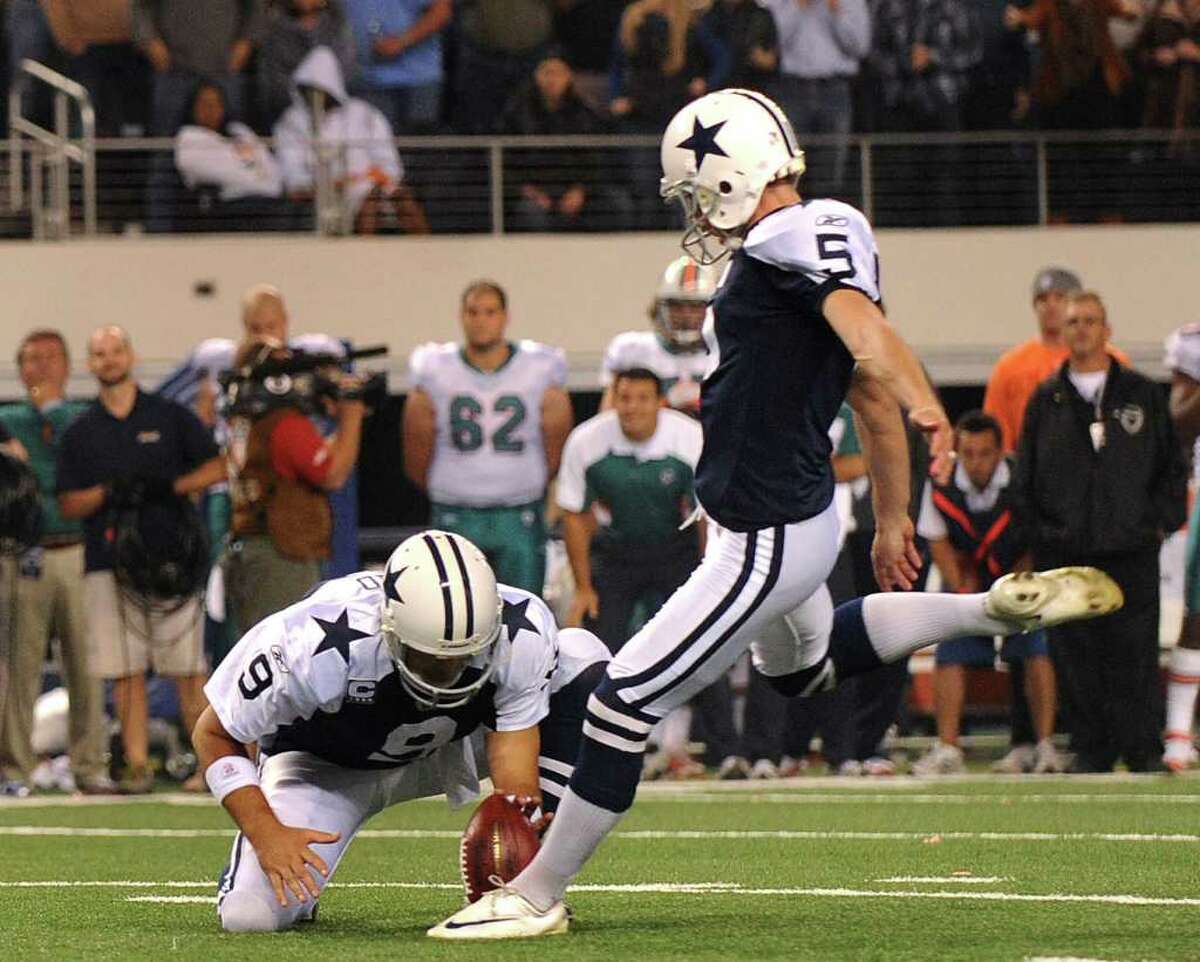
point(498, 842)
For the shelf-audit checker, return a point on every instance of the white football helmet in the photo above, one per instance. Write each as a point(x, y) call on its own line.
point(440, 601)
point(718, 155)
point(685, 290)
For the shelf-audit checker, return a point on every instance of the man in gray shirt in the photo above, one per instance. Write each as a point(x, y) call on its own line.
point(820, 45)
point(185, 41)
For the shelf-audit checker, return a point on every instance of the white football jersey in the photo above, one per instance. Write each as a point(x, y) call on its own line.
point(488, 448)
point(318, 677)
point(823, 239)
point(680, 373)
point(1183, 355)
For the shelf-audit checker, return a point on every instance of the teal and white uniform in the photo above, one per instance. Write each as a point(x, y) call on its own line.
point(680, 371)
point(1183, 356)
point(488, 477)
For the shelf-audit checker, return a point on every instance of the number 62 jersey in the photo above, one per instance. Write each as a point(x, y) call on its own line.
point(317, 677)
point(489, 423)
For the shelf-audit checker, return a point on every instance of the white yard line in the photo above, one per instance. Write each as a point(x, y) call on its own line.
point(49, 831)
point(710, 888)
point(944, 879)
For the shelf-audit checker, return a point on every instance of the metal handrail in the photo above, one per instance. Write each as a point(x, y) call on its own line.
point(55, 149)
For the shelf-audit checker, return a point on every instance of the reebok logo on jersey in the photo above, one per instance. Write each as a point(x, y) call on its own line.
point(148, 437)
point(360, 691)
point(832, 220)
point(279, 659)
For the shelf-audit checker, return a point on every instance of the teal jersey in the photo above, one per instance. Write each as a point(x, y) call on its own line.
point(41, 432)
point(644, 489)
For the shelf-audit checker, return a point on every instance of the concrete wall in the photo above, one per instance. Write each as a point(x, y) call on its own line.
point(961, 296)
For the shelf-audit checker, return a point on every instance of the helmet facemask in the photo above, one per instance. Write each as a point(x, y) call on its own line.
point(476, 655)
point(703, 242)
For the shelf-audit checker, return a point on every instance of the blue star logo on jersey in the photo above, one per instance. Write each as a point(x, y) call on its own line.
point(516, 620)
point(390, 591)
point(338, 635)
point(703, 141)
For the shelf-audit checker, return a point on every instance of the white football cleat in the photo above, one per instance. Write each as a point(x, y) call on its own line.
point(1041, 599)
point(1181, 753)
point(502, 913)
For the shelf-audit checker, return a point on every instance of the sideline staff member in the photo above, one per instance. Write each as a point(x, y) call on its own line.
point(48, 583)
point(1100, 480)
point(125, 435)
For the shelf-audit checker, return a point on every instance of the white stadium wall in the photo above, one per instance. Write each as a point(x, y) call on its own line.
point(960, 295)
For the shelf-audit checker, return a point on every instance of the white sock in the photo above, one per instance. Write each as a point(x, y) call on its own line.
point(1183, 681)
point(578, 828)
point(899, 623)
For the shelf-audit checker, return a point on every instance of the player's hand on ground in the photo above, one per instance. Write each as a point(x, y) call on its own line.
point(288, 862)
point(933, 423)
point(894, 555)
point(585, 605)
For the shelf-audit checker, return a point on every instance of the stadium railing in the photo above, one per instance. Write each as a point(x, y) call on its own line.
point(477, 185)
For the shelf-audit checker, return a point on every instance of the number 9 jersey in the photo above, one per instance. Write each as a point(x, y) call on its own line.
point(488, 449)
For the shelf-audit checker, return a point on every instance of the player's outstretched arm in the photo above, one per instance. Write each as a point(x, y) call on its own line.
point(419, 433)
point(894, 555)
point(513, 762)
point(283, 852)
point(884, 357)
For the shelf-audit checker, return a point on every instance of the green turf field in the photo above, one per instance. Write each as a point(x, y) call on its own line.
point(822, 870)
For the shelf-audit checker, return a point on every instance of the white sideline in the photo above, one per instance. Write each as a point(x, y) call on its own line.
point(734, 889)
point(50, 831)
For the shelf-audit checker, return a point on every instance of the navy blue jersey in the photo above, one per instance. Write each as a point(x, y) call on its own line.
point(778, 372)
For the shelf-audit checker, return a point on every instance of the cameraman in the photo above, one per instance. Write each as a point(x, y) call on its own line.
point(129, 441)
point(281, 471)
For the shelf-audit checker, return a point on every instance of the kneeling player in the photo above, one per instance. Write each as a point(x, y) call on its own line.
point(364, 695)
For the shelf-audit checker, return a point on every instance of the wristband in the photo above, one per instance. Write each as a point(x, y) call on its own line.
point(230, 773)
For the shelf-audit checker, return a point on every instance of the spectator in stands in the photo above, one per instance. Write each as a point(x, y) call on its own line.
point(399, 44)
point(998, 85)
point(1022, 368)
point(664, 56)
point(1169, 48)
point(186, 41)
point(821, 43)
point(1080, 71)
point(557, 186)
point(1100, 480)
point(129, 437)
point(48, 583)
point(922, 53)
point(749, 32)
point(975, 537)
point(499, 42)
point(364, 166)
point(292, 29)
point(96, 36)
point(585, 29)
point(213, 151)
point(280, 480)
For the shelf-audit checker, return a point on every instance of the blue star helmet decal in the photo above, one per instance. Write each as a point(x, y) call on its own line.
point(390, 591)
point(703, 141)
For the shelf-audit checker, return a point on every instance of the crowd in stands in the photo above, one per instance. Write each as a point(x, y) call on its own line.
point(434, 65)
point(567, 67)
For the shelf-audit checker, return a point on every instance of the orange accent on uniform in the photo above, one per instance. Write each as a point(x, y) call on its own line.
point(948, 507)
point(691, 274)
point(1183, 679)
point(1016, 376)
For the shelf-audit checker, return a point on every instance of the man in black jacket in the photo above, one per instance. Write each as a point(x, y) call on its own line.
point(1101, 480)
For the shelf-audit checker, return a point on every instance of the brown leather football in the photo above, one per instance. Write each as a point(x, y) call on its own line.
point(498, 842)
